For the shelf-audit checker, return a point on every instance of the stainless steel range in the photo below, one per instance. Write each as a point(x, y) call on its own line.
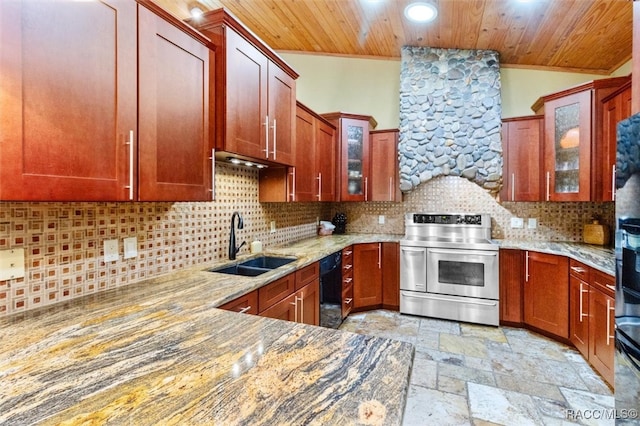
point(449, 268)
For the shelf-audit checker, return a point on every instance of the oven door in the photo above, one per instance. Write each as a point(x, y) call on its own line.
point(459, 272)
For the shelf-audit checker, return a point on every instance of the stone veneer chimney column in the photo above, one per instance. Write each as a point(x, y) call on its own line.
point(450, 116)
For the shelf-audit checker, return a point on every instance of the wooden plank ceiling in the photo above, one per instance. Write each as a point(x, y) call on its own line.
point(592, 36)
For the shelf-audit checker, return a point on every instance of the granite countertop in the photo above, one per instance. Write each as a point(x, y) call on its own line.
point(598, 257)
point(160, 352)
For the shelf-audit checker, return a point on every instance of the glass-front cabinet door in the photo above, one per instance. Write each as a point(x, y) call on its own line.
point(568, 148)
point(354, 161)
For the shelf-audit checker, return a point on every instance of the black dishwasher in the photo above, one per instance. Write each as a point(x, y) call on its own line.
point(331, 290)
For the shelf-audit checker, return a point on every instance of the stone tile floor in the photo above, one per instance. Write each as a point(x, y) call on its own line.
point(467, 374)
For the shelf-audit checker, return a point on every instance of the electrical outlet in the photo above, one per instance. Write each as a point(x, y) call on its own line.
point(381, 219)
point(532, 223)
point(517, 222)
point(130, 247)
point(273, 226)
point(110, 250)
point(11, 264)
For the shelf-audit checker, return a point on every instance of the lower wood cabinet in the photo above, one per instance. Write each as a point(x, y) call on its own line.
point(347, 281)
point(376, 276)
point(511, 291)
point(592, 316)
point(391, 276)
point(303, 306)
point(561, 297)
point(601, 324)
point(546, 293)
point(294, 297)
point(245, 304)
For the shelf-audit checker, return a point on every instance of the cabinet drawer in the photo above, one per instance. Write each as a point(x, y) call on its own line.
point(347, 256)
point(604, 282)
point(580, 270)
point(347, 300)
point(245, 304)
point(307, 274)
point(276, 291)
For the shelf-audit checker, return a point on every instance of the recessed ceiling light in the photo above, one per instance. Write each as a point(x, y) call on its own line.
point(195, 10)
point(421, 12)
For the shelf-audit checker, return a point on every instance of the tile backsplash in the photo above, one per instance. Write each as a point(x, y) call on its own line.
point(63, 241)
point(555, 221)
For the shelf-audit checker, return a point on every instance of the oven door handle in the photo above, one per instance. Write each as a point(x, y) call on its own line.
point(463, 252)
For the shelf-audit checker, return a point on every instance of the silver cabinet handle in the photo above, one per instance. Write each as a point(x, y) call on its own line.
point(131, 147)
point(613, 182)
point(275, 140)
point(526, 268)
point(319, 179)
point(348, 253)
point(366, 188)
point(609, 309)
point(548, 181)
point(266, 136)
point(581, 310)
point(293, 183)
point(213, 173)
point(348, 266)
point(348, 300)
point(348, 280)
point(301, 299)
point(578, 269)
point(379, 255)
point(295, 311)
point(245, 309)
point(513, 186)
point(610, 287)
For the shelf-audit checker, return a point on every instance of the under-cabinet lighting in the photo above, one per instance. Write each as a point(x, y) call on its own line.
point(421, 12)
point(247, 163)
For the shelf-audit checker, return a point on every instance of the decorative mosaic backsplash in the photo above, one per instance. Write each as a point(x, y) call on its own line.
point(555, 221)
point(450, 109)
point(63, 241)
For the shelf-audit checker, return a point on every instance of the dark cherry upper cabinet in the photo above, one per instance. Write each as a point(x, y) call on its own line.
point(68, 99)
point(353, 160)
point(574, 138)
point(522, 143)
point(511, 291)
point(314, 176)
point(546, 293)
point(254, 92)
point(72, 105)
point(616, 107)
point(383, 182)
point(175, 157)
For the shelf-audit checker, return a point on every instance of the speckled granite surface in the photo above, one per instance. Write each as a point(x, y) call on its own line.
point(598, 257)
point(161, 353)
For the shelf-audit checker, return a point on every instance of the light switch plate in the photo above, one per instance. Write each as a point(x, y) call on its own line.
point(273, 226)
point(532, 223)
point(110, 250)
point(381, 219)
point(130, 247)
point(517, 222)
point(11, 264)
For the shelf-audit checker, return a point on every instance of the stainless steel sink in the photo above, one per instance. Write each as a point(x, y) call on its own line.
point(254, 267)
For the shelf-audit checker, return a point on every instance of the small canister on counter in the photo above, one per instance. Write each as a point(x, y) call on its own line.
point(595, 233)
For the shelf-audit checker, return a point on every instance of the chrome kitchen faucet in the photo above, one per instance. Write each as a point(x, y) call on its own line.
point(233, 250)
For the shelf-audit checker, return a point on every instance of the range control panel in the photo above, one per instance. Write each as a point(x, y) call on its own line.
point(448, 219)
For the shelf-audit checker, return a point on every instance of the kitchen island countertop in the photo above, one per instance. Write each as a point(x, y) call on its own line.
point(160, 352)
